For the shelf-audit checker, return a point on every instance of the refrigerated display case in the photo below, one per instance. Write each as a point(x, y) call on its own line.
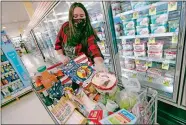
point(149, 37)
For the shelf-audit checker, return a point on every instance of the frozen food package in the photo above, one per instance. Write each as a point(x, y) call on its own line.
point(118, 29)
point(130, 24)
point(159, 18)
point(136, 5)
point(162, 8)
point(157, 46)
point(139, 46)
point(144, 21)
point(125, 6)
point(158, 28)
point(174, 15)
point(154, 72)
point(139, 53)
point(142, 30)
point(155, 54)
point(116, 8)
point(128, 53)
point(127, 46)
point(141, 66)
point(170, 53)
point(170, 73)
point(130, 32)
point(129, 63)
point(173, 25)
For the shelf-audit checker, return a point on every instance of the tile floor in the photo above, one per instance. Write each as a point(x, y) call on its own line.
point(27, 110)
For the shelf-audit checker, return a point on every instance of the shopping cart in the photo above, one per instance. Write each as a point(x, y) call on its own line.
point(149, 114)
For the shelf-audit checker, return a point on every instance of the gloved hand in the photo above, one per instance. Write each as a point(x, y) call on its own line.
point(100, 67)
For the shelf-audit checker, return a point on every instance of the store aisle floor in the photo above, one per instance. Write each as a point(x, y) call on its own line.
point(27, 110)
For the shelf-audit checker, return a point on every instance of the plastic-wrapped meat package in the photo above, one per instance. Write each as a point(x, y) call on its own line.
point(129, 63)
point(139, 46)
point(141, 66)
point(128, 53)
point(159, 18)
point(130, 32)
point(139, 53)
point(155, 54)
point(127, 46)
point(142, 30)
point(158, 28)
point(154, 72)
point(170, 53)
point(129, 24)
point(158, 46)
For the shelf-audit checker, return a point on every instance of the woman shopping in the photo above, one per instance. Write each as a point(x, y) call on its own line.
point(77, 37)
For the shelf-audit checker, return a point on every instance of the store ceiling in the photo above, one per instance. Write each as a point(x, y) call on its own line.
point(15, 17)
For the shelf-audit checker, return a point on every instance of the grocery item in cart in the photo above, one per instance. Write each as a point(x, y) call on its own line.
point(130, 32)
point(142, 30)
point(139, 46)
point(129, 64)
point(130, 24)
point(127, 46)
point(159, 18)
point(158, 28)
point(121, 117)
point(144, 21)
point(139, 53)
point(128, 53)
point(105, 82)
point(154, 72)
point(155, 54)
point(170, 53)
point(157, 46)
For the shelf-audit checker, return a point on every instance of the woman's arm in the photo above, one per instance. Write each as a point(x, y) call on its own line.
point(98, 60)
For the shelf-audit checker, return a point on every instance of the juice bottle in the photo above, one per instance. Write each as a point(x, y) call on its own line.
point(47, 78)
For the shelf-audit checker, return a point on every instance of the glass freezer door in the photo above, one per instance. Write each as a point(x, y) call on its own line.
point(149, 39)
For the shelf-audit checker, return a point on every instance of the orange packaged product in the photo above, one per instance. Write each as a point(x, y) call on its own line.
point(46, 78)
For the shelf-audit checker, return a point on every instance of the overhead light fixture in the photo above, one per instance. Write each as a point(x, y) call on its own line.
point(4, 27)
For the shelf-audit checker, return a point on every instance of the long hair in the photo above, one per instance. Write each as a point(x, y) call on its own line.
point(88, 28)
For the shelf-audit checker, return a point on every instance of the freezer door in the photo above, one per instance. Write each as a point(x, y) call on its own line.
point(149, 37)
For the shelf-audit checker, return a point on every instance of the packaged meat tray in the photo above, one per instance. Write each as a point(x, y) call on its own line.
point(128, 46)
point(129, 63)
point(155, 54)
point(154, 72)
point(170, 53)
point(130, 32)
point(158, 28)
point(141, 67)
point(158, 46)
point(139, 46)
point(128, 53)
point(129, 24)
point(159, 18)
point(139, 53)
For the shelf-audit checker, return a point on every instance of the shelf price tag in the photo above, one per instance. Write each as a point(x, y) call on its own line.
point(137, 61)
point(150, 79)
point(174, 38)
point(149, 63)
point(135, 15)
point(134, 76)
point(137, 40)
point(165, 65)
point(151, 40)
point(172, 6)
point(152, 10)
point(166, 82)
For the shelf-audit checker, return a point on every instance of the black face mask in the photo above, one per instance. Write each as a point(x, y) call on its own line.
point(79, 23)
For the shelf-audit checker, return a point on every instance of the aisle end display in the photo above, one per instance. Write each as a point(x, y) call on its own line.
point(15, 80)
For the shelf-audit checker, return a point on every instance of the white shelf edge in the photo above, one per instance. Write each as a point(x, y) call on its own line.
point(4, 86)
point(150, 59)
point(149, 35)
point(140, 9)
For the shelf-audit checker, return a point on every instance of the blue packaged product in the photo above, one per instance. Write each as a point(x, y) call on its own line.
point(158, 28)
point(159, 18)
point(174, 15)
point(142, 30)
point(162, 8)
point(130, 24)
point(173, 25)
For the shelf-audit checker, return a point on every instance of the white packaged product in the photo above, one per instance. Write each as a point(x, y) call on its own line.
point(129, 64)
point(142, 30)
point(170, 53)
point(155, 54)
point(127, 46)
point(154, 72)
point(142, 21)
point(158, 46)
point(128, 53)
point(141, 53)
point(139, 46)
point(141, 66)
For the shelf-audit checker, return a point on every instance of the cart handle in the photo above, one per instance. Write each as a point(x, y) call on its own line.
point(53, 66)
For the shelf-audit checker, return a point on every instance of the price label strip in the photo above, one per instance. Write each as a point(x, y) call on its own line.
point(166, 82)
point(134, 75)
point(174, 38)
point(172, 6)
point(152, 40)
point(165, 65)
point(152, 10)
point(150, 79)
point(135, 15)
point(137, 40)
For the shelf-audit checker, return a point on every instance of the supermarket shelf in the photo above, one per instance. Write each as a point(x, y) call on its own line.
point(4, 86)
point(95, 22)
point(19, 93)
point(140, 9)
point(150, 59)
point(4, 63)
point(149, 35)
point(4, 74)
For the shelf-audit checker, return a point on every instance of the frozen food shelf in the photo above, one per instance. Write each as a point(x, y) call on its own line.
point(149, 35)
point(140, 9)
point(151, 59)
point(4, 74)
point(4, 63)
point(11, 83)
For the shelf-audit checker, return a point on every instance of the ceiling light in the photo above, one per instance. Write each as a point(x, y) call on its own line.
point(23, 30)
point(4, 27)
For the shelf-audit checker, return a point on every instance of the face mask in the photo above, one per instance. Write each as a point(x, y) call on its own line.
point(79, 23)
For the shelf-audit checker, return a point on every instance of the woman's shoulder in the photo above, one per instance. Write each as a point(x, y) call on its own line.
point(65, 27)
point(66, 24)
